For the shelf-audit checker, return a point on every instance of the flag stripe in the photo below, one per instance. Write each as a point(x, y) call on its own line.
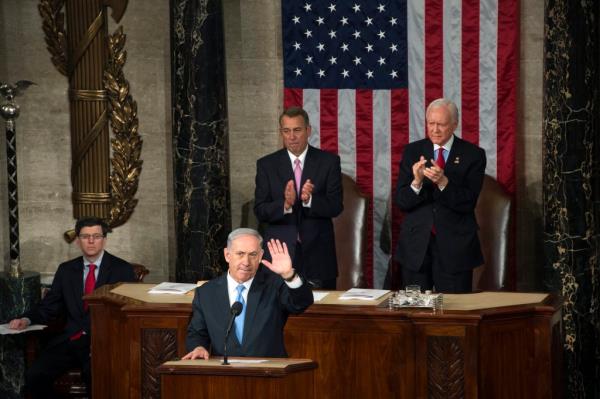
point(292, 97)
point(434, 50)
point(488, 57)
point(452, 38)
point(311, 104)
point(329, 117)
point(347, 131)
point(508, 70)
point(364, 165)
point(415, 24)
point(470, 72)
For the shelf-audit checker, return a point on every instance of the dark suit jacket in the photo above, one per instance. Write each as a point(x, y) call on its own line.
point(269, 303)
point(313, 224)
point(452, 210)
point(65, 296)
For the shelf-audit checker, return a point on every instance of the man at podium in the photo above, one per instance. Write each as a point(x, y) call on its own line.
point(267, 295)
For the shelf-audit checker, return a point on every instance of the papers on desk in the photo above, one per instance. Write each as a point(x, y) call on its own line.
point(172, 288)
point(363, 294)
point(318, 295)
point(248, 361)
point(4, 330)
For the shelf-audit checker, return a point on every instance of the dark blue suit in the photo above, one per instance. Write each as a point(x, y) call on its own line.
point(451, 210)
point(269, 303)
point(318, 258)
point(64, 300)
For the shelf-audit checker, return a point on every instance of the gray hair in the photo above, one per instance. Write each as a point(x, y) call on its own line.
point(243, 231)
point(448, 104)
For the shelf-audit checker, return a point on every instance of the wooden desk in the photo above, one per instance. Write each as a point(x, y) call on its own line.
point(362, 351)
point(276, 378)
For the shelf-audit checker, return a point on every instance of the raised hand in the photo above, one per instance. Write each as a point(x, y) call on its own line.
point(281, 263)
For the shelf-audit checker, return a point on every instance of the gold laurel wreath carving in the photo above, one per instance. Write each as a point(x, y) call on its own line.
point(54, 30)
point(126, 144)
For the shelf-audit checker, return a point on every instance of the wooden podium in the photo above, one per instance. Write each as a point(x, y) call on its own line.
point(271, 378)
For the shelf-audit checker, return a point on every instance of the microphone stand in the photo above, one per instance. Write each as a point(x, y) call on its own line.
point(236, 309)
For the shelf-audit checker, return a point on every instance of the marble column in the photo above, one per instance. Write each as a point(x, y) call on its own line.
point(571, 183)
point(17, 295)
point(200, 140)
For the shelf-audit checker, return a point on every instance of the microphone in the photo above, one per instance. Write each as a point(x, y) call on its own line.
point(235, 310)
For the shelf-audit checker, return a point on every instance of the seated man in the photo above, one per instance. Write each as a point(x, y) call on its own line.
point(269, 293)
point(73, 279)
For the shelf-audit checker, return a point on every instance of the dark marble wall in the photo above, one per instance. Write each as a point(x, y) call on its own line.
point(200, 153)
point(571, 189)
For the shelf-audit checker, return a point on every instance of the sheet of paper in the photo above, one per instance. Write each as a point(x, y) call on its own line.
point(318, 295)
point(4, 330)
point(363, 294)
point(248, 361)
point(172, 288)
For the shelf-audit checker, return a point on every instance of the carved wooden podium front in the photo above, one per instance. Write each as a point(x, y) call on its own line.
point(271, 378)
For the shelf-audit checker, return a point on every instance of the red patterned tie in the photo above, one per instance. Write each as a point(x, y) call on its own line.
point(441, 162)
point(90, 283)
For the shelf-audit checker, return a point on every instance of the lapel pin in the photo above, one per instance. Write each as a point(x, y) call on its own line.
point(457, 160)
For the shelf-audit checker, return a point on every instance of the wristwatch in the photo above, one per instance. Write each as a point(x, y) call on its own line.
point(292, 277)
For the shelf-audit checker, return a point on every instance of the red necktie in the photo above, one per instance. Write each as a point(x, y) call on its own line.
point(90, 283)
point(441, 162)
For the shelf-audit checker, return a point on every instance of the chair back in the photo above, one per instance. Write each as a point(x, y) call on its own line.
point(140, 272)
point(350, 229)
point(493, 213)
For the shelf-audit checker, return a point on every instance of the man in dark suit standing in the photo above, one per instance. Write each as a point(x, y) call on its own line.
point(298, 192)
point(438, 186)
point(73, 279)
point(267, 294)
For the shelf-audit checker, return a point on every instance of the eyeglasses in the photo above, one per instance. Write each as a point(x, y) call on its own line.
point(94, 237)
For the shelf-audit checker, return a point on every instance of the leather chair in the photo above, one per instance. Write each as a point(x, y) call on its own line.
point(71, 384)
point(493, 213)
point(350, 229)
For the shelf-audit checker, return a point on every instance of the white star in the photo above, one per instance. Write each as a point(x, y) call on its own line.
point(356, 34)
point(345, 73)
point(369, 47)
point(307, 7)
point(321, 47)
point(381, 34)
point(381, 60)
point(369, 74)
point(369, 21)
point(344, 21)
point(394, 74)
point(332, 34)
point(344, 47)
point(321, 73)
point(320, 20)
point(308, 33)
point(393, 21)
point(381, 8)
point(296, 46)
point(296, 20)
point(331, 7)
point(394, 48)
point(356, 60)
point(356, 8)
point(298, 72)
point(309, 59)
point(333, 60)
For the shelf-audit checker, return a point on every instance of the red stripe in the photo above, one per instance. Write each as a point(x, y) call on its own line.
point(292, 98)
point(434, 50)
point(364, 167)
point(400, 138)
point(470, 71)
point(508, 80)
point(329, 120)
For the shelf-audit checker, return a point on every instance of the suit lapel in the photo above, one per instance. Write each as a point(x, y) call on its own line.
point(104, 272)
point(254, 296)
point(311, 165)
point(455, 155)
point(76, 282)
point(284, 170)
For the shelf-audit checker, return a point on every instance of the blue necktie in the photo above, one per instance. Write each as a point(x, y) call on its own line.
point(239, 320)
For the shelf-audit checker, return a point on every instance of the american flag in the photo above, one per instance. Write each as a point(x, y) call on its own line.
point(365, 70)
